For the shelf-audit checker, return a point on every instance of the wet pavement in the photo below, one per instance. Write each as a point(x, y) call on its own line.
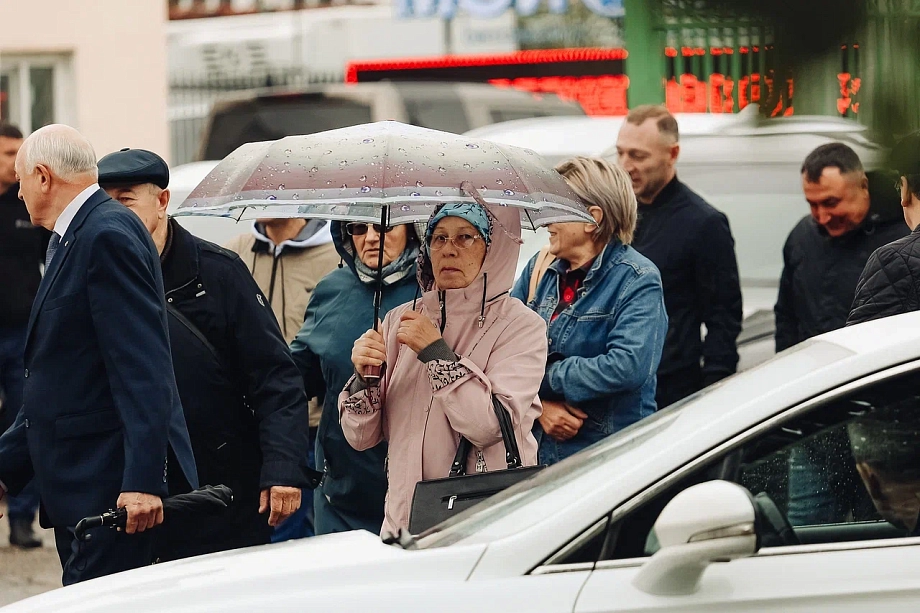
point(26, 573)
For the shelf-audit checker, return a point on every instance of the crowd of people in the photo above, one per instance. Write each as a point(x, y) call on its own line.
point(138, 361)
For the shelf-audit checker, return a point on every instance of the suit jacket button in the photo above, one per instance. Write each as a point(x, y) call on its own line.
point(26, 373)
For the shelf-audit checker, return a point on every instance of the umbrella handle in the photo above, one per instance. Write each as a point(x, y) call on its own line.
point(372, 373)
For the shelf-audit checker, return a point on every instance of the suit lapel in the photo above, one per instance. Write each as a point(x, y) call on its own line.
point(60, 256)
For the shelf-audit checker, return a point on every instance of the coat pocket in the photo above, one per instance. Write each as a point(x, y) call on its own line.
point(60, 301)
point(86, 424)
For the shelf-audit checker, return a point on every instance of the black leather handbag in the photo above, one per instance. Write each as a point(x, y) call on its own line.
point(439, 499)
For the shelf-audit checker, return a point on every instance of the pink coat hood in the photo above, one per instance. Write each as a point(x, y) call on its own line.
point(422, 409)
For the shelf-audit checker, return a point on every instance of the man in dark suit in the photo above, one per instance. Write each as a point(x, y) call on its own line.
point(100, 412)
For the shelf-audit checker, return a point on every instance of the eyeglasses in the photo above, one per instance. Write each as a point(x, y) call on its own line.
point(461, 241)
point(360, 229)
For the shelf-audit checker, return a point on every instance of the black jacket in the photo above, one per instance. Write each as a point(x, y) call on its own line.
point(242, 394)
point(820, 272)
point(691, 244)
point(22, 251)
point(890, 282)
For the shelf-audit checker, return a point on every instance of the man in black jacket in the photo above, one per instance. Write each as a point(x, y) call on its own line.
point(852, 214)
point(890, 282)
point(691, 244)
point(22, 252)
point(242, 394)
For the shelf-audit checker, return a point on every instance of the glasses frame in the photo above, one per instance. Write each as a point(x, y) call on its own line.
point(453, 241)
point(354, 225)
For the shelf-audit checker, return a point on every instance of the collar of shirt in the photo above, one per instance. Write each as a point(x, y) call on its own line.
point(71, 210)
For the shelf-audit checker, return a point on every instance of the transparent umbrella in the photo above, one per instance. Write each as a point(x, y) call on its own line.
point(384, 172)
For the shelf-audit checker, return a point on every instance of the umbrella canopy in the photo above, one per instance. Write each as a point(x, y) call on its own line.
point(352, 173)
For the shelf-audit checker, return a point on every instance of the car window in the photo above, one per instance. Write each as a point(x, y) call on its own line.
point(272, 118)
point(447, 114)
point(846, 470)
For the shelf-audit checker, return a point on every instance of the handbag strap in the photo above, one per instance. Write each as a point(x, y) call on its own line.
point(512, 453)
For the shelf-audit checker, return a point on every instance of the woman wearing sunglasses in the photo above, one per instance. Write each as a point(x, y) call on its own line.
point(352, 494)
point(444, 357)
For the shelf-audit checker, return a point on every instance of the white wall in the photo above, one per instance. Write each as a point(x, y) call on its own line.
point(118, 59)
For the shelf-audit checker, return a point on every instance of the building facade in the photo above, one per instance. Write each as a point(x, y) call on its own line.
point(98, 65)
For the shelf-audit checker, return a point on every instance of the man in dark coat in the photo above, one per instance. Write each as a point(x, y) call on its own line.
point(242, 394)
point(22, 252)
point(890, 282)
point(100, 416)
point(852, 214)
point(691, 244)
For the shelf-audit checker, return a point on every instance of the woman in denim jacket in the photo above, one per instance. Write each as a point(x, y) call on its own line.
point(606, 321)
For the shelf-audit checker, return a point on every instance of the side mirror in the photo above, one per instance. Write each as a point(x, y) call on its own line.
point(706, 523)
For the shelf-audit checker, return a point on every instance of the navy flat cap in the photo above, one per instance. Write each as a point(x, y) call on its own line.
point(133, 167)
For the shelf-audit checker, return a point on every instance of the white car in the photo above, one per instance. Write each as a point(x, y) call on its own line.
point(579, 538)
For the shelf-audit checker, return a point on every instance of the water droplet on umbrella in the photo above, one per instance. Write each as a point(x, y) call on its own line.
point(472, 146)
point(441, 169)
point(508, 192)
point(281, 186)
point(415, 194)
point(344, 185)
point(405, 207)
point(295, 196)
point(499, 181)
point(314, 169)
point(418, 184)
point(439, 193)
point(328, 151)
point(329, 182)
point(288, 152)
point(343, 163)
point(467, 167)
point(443, 143)
point(441, 153)
point(368, 140)
point(364, 177)
point(365, 189)
point(401, 150)
point(287, 163)
point(272, 197)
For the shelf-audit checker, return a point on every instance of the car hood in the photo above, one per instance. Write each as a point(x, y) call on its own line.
point(309, 575)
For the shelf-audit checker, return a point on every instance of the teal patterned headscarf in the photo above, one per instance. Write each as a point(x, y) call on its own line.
point(473, 213)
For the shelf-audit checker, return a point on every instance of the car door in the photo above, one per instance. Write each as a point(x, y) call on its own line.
point(845, 468)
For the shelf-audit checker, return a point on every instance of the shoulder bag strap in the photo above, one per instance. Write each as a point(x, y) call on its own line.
point(512, 453)
point(194, 330)
point(540, 266)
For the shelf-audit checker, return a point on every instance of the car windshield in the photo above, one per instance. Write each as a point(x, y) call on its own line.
point(804, 357)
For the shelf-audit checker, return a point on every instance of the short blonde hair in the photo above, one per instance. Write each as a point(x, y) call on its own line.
point(599, 183)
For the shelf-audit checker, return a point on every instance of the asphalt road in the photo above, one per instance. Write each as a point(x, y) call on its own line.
point(26, 573)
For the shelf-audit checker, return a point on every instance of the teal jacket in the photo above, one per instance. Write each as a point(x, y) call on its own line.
point(340, 310)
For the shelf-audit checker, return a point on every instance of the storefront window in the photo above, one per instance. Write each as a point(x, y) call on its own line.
point(34, 90)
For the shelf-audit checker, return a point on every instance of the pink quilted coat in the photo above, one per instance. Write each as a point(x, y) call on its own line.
point(422, 409)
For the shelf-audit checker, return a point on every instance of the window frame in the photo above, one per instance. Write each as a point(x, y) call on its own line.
point(718, 454)
point(17, 67)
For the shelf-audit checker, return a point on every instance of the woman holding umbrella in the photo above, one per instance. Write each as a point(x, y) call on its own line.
point(445, 358)
point(352, 494)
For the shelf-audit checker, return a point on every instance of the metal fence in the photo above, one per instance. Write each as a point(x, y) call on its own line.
point(192, 97)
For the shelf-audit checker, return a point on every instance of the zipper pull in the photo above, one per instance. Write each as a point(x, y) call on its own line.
point(480, 462)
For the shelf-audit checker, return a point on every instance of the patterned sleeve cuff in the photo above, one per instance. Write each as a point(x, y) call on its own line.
point(364, 402)
point(442, 373)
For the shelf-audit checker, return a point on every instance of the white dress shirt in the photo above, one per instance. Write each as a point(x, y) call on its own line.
point(70, 211)
point(60, 227)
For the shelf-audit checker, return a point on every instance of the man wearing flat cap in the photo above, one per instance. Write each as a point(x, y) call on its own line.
point(242, 395)
point(890, 282)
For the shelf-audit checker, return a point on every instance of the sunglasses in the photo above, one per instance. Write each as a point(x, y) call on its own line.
point(360, 229)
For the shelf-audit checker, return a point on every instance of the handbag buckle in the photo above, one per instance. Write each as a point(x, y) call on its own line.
point(450, 503)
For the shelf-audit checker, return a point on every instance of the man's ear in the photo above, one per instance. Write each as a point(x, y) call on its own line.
point(163, 201)
point(675, 152)
point(44, 177)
